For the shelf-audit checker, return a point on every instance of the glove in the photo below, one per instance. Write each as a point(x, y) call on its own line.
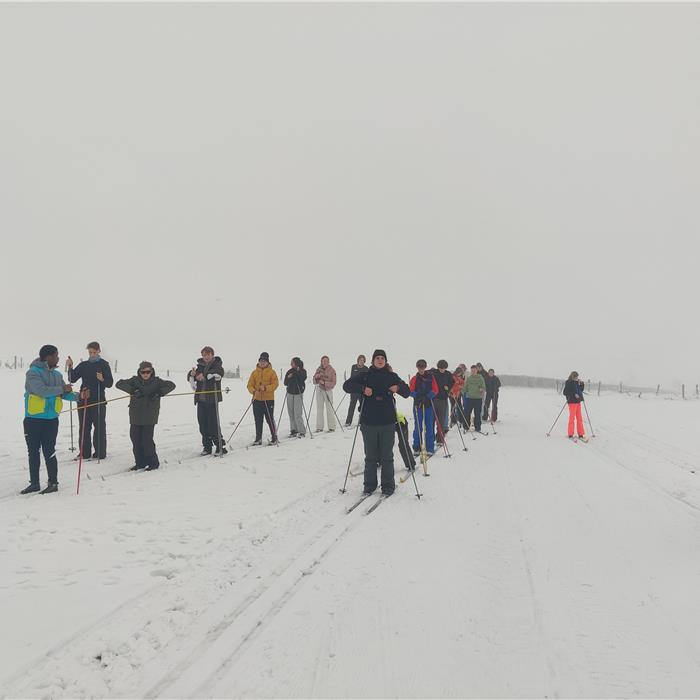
point(215, 377)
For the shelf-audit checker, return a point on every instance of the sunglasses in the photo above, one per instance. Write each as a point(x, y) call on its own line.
point(146, 371)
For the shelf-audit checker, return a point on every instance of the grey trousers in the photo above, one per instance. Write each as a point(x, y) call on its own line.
point(295, 406)
point(379, 452)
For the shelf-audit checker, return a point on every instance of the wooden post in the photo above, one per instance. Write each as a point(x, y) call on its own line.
point(658, 387)
point(15, 366)
point(116, 365)
point(620, 387)
point(683, 390)
point(167, 372)
point(696, 390)
point(599, 388)
point(557, 386)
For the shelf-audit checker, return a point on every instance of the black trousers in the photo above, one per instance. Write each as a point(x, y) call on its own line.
point(144, 447)
point(208, 425)
point(379, 451)
point(95, 437)
point(41, 435)
point(493, 400)
point(473, 405)
point(441, 417)
point(354, 398)
point(266, 410)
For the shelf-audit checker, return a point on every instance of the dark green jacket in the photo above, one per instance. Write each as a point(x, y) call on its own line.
point(144, 406)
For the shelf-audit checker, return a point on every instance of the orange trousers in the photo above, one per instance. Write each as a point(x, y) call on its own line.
point(575, 416)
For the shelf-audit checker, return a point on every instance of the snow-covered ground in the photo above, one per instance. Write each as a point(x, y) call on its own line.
point(531, 566)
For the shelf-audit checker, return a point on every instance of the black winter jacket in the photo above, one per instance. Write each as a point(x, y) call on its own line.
point(378, 409)
point(214, 367)
point(493, 384)
point(87, 372)
point(144, 406)
point(295, 380)
point(444, 382)
point(573, 390)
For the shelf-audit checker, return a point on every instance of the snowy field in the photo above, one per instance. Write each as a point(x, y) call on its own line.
point(532, 566)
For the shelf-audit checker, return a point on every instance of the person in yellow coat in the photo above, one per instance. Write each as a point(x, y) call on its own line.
point(262, 384)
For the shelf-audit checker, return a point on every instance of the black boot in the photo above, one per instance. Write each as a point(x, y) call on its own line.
point(32, 488)
point(51, 488)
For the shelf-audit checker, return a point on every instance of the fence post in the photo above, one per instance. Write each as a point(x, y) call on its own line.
point(697, 393)
point(620, 387)
point(21, 363)
point(683, 390)
point(167, 372)
point(658, 387)
point(116, 365)
point(15, 366)
point(598, 388)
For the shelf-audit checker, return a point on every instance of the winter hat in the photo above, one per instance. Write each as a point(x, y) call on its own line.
point(47, 350)
point(264, 356)
point(377, 353)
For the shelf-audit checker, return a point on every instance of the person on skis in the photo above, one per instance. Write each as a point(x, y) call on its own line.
point(378, 387)
point(573, 391)
point(205, 380)
point(262, 384)
point(423, 389)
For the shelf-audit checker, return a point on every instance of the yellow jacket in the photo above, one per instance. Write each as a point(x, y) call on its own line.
point(263, 377)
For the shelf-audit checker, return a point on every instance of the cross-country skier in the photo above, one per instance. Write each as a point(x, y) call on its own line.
point(573, 390)
point(96, 376)
point(444, 381)
point(295, 381)
point(359, 368)
point(44, 393)
point(473, 390)
point(205, 380)
point(378, 387)
point(145, 389)
point(262, 384)
point(424, 389)
point(325, 379)
point(493, 384)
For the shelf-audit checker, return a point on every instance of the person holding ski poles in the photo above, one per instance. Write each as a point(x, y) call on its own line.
point(359, 368)
point(493, 384)
point(96, 376)
point(295, 381)
point(145, 389)
point(262, 384)
point(205, 380)
point(474, 389)
point(444, 381)
point(573, 391)
point(325, 379)
point(423, 388)
point(44, 393)
point(456, 395)
point(378, 387)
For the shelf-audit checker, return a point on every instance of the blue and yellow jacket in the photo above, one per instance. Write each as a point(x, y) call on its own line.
point(44, 392)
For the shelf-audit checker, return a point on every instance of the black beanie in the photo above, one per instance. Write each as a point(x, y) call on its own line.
point(264, 356)
point(376, 353)
point(47, 350)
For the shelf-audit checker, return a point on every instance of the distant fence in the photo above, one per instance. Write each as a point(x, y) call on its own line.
point(596, 387)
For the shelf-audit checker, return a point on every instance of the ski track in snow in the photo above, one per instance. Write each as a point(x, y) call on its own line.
point(530, 567)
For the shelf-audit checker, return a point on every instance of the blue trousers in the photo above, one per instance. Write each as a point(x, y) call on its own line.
point(421, 413)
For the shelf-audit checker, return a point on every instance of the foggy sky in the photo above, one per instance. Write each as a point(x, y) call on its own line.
point(512, 184)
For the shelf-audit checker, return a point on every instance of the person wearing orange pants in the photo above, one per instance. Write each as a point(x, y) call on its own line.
point(573, 391)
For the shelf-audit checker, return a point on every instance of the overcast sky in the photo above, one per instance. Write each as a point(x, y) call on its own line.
point(512, 184)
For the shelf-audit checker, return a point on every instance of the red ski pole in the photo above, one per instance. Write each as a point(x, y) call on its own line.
point(82, 439)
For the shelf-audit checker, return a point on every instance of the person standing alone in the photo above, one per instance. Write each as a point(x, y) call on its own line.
point(573, 391)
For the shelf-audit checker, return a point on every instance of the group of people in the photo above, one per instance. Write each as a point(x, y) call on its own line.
point(441, 399)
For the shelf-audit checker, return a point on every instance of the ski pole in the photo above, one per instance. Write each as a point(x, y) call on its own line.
point(354, 440)
point(466, 422)
point(405, 446)
point(549, 432)
point(589, 419)
point(82, 439)
point(239, 422)
point(218, 423)
point(311, 405)
point(70, 408)
point(286, 394)
point(271, 423)
point(325, 391)
point(440, 431)
point(459, 429)
point(97, 427)
point(303, 408)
